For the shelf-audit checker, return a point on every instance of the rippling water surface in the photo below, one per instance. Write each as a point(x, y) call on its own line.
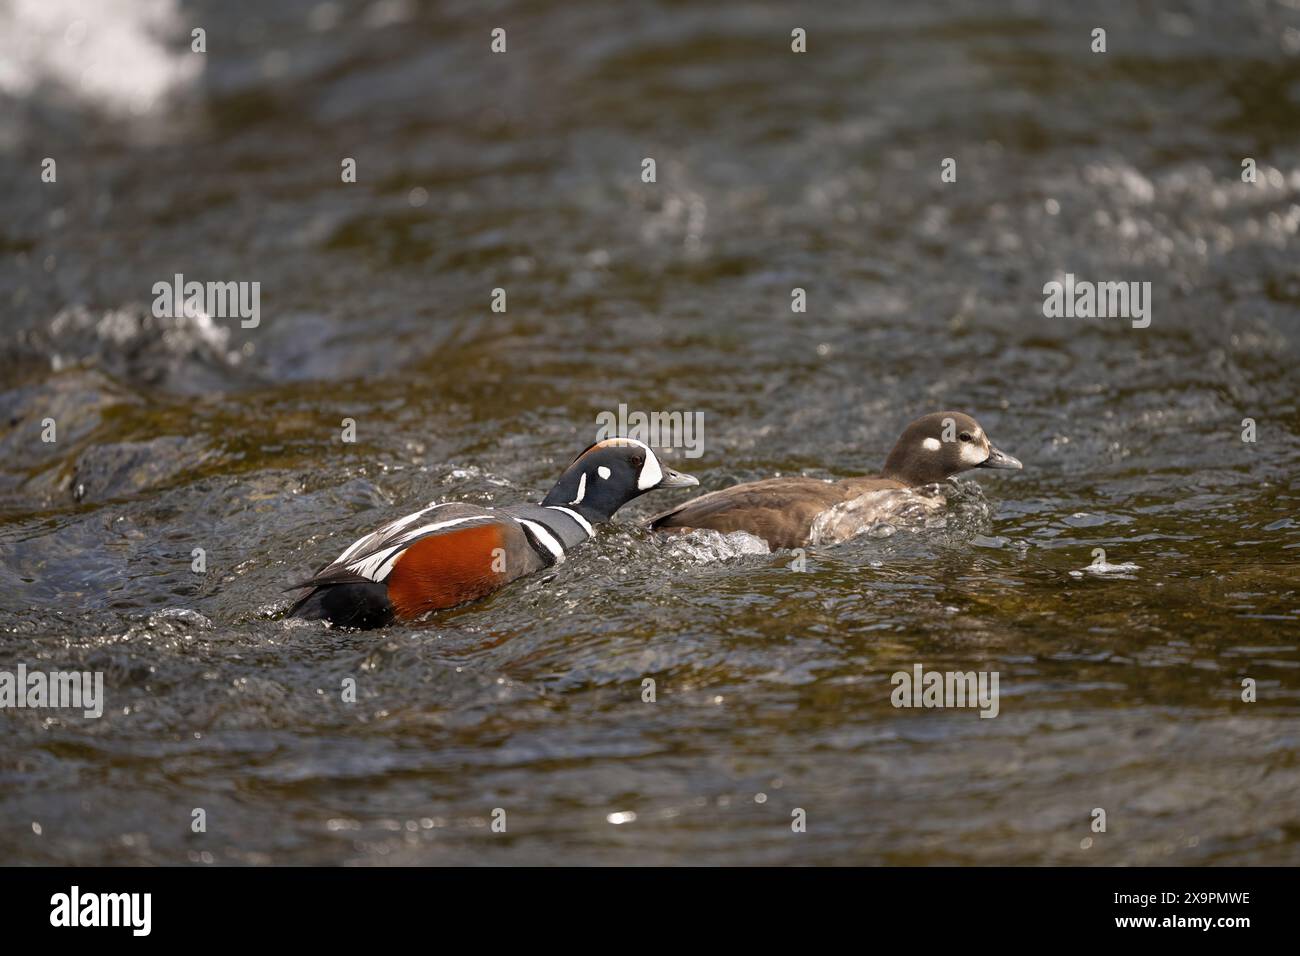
point(1120, 688)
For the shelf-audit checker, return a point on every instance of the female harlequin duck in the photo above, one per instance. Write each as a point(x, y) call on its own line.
point(794, 512)
point(451, 553)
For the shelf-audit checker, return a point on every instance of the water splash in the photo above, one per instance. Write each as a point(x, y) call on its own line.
point(703, 546)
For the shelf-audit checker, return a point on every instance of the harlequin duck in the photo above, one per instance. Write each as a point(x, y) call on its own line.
point(451, 553)
point(794, 512)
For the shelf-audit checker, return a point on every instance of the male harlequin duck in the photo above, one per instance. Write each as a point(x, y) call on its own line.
point(794, 512)
point(451, 553)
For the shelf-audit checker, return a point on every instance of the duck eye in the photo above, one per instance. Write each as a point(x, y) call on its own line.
point(965, 436)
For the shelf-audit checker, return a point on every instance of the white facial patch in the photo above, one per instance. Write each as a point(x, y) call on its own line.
point(651, 473)
point(974, 452)
point(582, 489)
point(583, 522)
point(931, 444)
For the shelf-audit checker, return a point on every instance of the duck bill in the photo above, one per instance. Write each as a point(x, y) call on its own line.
point(999, 459)
point(676, 479)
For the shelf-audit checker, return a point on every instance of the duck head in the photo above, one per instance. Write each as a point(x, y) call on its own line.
point(609, 474)
point(936, 447)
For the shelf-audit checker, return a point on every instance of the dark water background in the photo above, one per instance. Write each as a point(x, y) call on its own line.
point(775, 170)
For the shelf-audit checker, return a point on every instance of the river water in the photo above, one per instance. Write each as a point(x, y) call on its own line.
point(1121, 684)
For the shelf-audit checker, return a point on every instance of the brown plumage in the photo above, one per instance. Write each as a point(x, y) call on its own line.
point(784, 512)
point(457, 566)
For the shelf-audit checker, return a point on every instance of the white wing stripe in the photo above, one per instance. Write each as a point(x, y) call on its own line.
point(377, 537)
point(367, 567)
point(438, 526)
point(377, 566)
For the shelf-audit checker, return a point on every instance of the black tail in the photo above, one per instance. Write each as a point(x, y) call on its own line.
point(354, 604)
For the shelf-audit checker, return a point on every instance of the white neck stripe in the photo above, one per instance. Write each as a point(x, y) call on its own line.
point(586, 526)
point(544, 536)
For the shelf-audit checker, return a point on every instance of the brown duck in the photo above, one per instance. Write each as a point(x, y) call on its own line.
point(794, 512)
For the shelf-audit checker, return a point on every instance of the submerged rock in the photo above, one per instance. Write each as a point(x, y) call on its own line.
point(67, 408)
point(125, 468)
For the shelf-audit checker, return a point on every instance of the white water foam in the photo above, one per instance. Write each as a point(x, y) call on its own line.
point(878, 514)
point(121, 55)
point(704, 545)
